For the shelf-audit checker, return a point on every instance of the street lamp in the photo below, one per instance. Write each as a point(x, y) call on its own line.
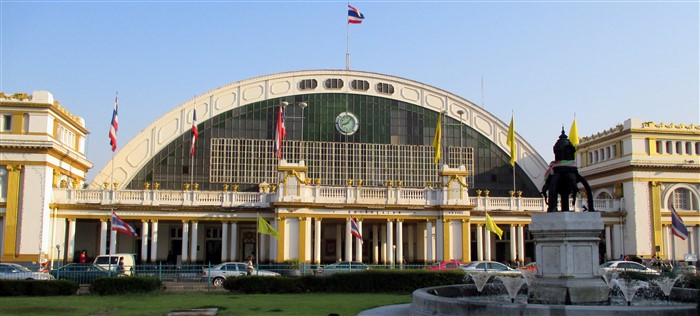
point(460, 112)
point(303, 105)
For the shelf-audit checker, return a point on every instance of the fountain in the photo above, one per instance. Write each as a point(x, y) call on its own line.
point(480, 279)
point(567, 280)
point(666, 284)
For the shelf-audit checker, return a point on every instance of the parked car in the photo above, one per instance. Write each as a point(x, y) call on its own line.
point(111, 262)
point(626, 266)
point(490, 266)
point(83, 273)
point(13, 271)
point(218, 273)
point(344, 266)
point(532, 266)
point(445, 265)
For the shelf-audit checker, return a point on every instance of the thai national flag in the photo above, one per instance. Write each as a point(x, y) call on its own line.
point(354, 15)
point(121, 226)
point(354, 230)
point(195, 132)
point(114, 126)
point(678, 228)
point(280, 133)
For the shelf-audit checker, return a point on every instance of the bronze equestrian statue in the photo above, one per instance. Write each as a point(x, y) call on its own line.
point(562, 178)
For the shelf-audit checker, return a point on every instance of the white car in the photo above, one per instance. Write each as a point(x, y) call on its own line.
point(490, 266)
point(15, 271)
point(626, 266)
point(218, 273)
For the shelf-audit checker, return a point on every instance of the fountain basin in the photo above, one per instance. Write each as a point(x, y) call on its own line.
point(464, 300)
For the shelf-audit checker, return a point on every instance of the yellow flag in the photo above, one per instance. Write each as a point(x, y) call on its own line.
point(492, 227)
point(573, 134)
point(265, 228)
point(438, 138)
point(511, 141)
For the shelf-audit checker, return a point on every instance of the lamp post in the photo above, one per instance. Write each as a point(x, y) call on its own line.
point(58, 257)
point(461, 122)
point(303, 105)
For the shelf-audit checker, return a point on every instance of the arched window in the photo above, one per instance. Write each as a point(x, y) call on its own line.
point(604, 196)
point(683, 199)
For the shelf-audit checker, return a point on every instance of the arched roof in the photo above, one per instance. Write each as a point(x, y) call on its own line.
point(132, 157)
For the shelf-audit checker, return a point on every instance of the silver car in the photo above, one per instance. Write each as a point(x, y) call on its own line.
point(626, 266)
point(218, 273)
point(490, 266)
point(13, 271)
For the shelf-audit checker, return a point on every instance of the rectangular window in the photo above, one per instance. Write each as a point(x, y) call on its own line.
point(5, 122)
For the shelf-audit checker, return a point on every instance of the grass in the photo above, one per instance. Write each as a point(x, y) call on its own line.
point(227, 304)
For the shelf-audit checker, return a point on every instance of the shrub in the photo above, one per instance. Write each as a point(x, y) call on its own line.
point(38, 287)
point(372, 281)
point(125, 285)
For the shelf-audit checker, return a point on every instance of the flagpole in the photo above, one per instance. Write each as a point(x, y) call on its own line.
point(111, 175)
point(192, 162)
point(512, 114)
point(347, 44)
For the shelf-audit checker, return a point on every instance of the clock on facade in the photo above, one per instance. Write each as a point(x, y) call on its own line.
point(346, 123)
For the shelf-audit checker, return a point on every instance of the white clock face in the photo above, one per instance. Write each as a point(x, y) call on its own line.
point(346, 123)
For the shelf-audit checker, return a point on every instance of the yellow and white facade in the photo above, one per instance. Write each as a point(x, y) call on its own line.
point(380, 171)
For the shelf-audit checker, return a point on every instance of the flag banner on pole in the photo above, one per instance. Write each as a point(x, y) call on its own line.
point(354, 229)
point(573, 134)
point(354, 15)
point(678, 228)
point(280, 133)
point(265, 228)
point(492, 227)
point(438, 139)
point(511, 141)
point(195, 132)
point(121, 226)
point(114, 126)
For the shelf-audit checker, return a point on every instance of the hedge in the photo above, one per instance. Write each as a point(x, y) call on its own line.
point(38, 287)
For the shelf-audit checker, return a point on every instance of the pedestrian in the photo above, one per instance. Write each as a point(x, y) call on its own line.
point(82, 256)
point(120, 265)
point(250, 265)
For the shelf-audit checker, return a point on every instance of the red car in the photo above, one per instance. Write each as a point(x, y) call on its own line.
point(445, 265)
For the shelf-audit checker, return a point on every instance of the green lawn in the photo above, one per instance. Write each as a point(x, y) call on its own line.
point(228, 304)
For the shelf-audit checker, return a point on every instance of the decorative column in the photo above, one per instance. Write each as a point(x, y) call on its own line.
point(399, 241)
point(144, 240)
point(521, 243)
point(383, 248)
point(429, 241)
point(317, 240)
point(103, 236)
point(375, 241)
point(338, 243)
point(113, 242)
point(234, 241)
point(411, 241)
point(193, 248)
point(358, 242)
point(281, 241)
point(348, 240)
point(447, 239)
point(608, 243)
point(480, 242)
point(390, 240)
point(70, 249)
point(11, 231)
point(224, 241)
point(466, 241)
point(185, 241)
point(487, 245)
point(513, 244)
point(439, 240)
point(154, 240)
point(303, 240)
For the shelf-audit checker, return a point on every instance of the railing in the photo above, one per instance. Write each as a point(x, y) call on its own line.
point(316, 194)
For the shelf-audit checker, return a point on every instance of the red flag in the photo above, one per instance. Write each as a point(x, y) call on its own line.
point(121, 226)
point(114, 126)
point(195, 132)
point(354, 229)
point(280, 133)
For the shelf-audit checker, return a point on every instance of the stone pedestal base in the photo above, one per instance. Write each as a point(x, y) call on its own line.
point(568, 291)
point(566, 248)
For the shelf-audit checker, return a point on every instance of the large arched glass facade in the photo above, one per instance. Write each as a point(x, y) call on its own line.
point(382, 121)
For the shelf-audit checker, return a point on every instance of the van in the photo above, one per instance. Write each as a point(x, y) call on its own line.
point(111, 262)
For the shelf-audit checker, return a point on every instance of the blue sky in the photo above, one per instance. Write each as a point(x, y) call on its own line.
point(543, 61)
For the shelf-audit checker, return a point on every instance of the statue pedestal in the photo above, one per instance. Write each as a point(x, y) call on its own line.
point(566, 248)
